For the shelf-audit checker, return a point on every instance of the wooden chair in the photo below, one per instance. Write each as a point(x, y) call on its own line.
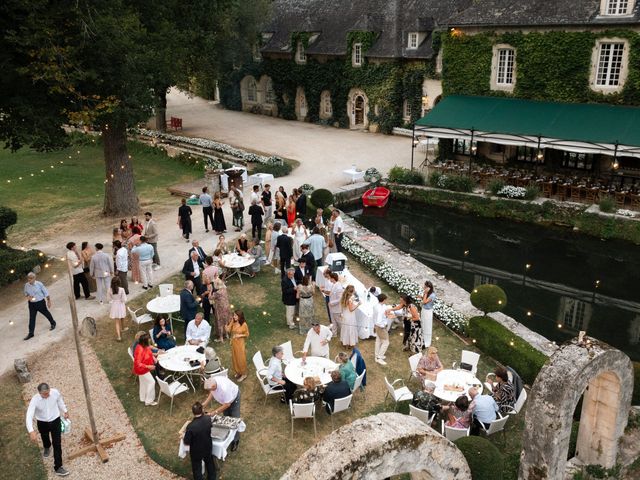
point(576, 194)
point(562, 192)
point(592, 195)
point(547, 189)
point(620, 197)
point(635, 201)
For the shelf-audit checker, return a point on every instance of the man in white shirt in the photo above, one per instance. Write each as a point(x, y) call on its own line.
point(79, 278)
point(338, 229)
point(382, 323)
point(122, 265)
point(47, 406)
point(227, 394)
point(317, 341)
point(198, 331)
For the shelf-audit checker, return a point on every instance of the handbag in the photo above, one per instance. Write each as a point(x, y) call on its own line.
point(466, 366)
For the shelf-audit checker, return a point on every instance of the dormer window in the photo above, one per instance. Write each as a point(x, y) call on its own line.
point(616, 7)
point(301, 56)
point(413, 40)
point(356, 57)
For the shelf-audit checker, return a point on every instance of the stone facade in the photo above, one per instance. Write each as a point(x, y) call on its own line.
point(380, 446)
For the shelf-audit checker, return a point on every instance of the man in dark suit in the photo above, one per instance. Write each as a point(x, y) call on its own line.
point(289, 299)
point(284, 244)
point(195, 247)
point(188, 304)
point(192, 270)
point(300, 271)
point(198, 438)
point(338, 388)
point(301, 205)
point(309, 261)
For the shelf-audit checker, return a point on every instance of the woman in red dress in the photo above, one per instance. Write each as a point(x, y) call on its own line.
point(291, 211)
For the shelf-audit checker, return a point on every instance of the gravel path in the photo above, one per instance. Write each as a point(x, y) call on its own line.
point(127, 459)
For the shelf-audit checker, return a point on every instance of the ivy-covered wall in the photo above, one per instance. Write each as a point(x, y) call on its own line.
point(385, 84)
point(549, 65)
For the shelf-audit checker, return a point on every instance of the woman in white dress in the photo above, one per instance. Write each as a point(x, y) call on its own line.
point(348, 323)
point(118, 311)
point(300, 234)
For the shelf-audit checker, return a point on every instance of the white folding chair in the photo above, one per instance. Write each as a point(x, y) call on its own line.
point(496, 426)
point(452, 434)
point(519, 403)
point(357, 385)
point(401, 394)
point(258, 362)
point(339, 405)
point(268, 389)
point(206, 378)
point(303, 410)
point(144, 318)
point(165, 289)
point(421, 414)
point(471, 358)
point(288, 351)
point(354, 359)
point(413, 365)
point(171, 390)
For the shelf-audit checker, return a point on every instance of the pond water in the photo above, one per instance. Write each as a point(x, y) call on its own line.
point(557, 282)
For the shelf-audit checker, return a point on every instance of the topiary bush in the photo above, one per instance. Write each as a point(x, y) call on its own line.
point(484, 459)
point(405, 176)
point(8, 217)
point(488, 298)
point(495, 186)
point(321, 198)
point(607, 205)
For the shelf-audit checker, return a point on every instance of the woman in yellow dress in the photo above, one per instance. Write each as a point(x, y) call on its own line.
point(238, 331)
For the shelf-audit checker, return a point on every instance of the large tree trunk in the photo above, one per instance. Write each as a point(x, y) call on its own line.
point(119, 189)
point(161, 109)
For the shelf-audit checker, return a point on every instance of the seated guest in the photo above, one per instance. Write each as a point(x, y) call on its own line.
point(309, 393)
point(213, 362)
point(242, 245)
point(221, 245)
point(459, 413)
point(338, 388)
point(276, 376)
point(317, 342)
point(503, 391)
point(484, 409)
point(255, 250)
point(162, 335)
point(347, 370)
point(429, 365)
point(198, 331)
point(425, 399)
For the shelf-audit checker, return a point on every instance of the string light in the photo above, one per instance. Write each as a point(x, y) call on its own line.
point(511, 343)
point(10, 322)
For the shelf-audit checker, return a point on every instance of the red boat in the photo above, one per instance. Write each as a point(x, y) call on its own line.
point(376, 197)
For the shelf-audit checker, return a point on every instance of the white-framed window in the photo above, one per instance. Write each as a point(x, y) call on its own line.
point(413, 40)
point(301, 56)
point(325, 104)
point(252, 90)
point(357, 55)
point(406, 110)
point(609, 65)
point(616, 7)
point(503, 68)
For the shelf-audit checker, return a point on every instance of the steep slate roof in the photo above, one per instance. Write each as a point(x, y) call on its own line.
point(334, 19)
point(539, 13)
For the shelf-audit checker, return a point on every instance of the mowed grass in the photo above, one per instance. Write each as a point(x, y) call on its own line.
point(74, 186)
point(267, 449)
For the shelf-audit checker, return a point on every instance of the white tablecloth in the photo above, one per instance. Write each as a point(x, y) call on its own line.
point(233, 260)
point(260, 179)
point(168, 304)
point(364, 313)
point(219, 447)
point(353, 175)
point(462, 378)
point(314, 367)
point(177, 359)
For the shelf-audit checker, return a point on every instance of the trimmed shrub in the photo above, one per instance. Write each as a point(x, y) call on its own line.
point(405, 176)
point(8, 217)
point(607, 205)
point(456, 183)
point(15, 264)
point(532, 193)
point(277, 170)
point(484, 459)
point(488, 298)
point(321, 198)
point(499, 343)
point(495, 186)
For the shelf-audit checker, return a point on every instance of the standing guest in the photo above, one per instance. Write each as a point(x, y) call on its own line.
point(122, 265)
point(274, 253)
point(335, 390)
point(238, 331)
point(221, 303)
point(143, 365)
point(301, 204)
point(317, 342)
point(207, 295)
point(39, 301)
point(291, 211)
point(145, 254)
point(503, 391)
point(255, 195)
point(237, 208)
point(198, 331)
point(242, 244)
point(306, 308)
point(299, 273)
point(280, 213)
point(281, 192)
point(267, 202)
point(222, 245)
point(267, 235)
point(348, 323)
point(300, 234)
point(77, 270)
point(347, 370)
point(426, 400)
point(317, 244)
point(188, 304)
point(135, 226)
point(275, 374)
point(335, 296)
point(151, 235)
point(162, 335)
point(337, 229)
point(289, 288)
point(426, 316)
point(101, 269)
point(116, 237)
point(400, 310)
point(134, 259)
point(310, 392)
point(485, 410)
point(195, 247)
point(415, 342)
point(125, 231)
point(210, 269)
point(198, 437)
point(86, 253)
point(381, 328)
point(429, 365)
point(118, 310)
point(256, 212)
point(284, 244)
point(309, 260)
point(47, 406)
point(227, 394)
point(219, 225)
point(192, 269)
point(207, 208)
point(318, 220)
point(184, 218)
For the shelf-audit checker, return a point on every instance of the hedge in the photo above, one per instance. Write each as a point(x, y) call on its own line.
point(496, 341)
point(15, 264)
point(8, 217)
point(484, 459)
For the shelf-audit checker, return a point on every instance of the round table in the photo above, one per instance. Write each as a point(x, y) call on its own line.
point(177, 361)
point(450, 378)
point(235, 262)
point(168, 304)
point(315, 367)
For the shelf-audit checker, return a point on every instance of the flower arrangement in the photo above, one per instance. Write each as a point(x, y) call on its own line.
point(212, 164)
point(307, 188)
point(510, 191)
point(217, 146)
point(372, 175)
point(387, 272)
point(626, 213)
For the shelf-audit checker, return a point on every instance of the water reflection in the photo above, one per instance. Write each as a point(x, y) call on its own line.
point(558, 282)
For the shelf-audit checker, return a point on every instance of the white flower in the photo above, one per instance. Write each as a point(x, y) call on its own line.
point(510, 191)
point(625, 213)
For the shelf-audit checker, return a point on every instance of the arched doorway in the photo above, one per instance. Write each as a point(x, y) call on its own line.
point(359, 111)
point(605, 376)
point(301, 104)
point(358, 108)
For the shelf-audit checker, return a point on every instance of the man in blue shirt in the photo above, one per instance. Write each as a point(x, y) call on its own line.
point(484, 408)
point(39, 301)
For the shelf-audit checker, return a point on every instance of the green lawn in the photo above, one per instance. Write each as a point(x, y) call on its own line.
point(44, 196)
point(267, 449)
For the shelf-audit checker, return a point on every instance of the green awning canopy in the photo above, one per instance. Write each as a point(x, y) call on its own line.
point(576, 127)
